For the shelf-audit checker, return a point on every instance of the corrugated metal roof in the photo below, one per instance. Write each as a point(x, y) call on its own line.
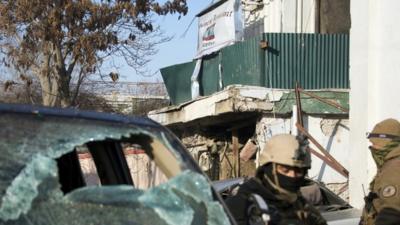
point(243, 63)
point(316, 61)
point(177, 81)
point(209, 78)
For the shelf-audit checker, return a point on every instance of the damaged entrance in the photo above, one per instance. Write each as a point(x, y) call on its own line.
point(226, 131)
point(216, 147)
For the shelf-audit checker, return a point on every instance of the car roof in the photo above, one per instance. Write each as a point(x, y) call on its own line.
point(76, 113)
point(81, 118)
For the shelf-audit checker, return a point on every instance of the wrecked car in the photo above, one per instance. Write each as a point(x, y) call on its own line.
point(64, 166)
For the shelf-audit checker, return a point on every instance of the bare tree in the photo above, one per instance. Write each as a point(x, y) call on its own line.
point(55, 40)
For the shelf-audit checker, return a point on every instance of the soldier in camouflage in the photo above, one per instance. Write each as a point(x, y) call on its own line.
point(382, 205)
point(284, 163)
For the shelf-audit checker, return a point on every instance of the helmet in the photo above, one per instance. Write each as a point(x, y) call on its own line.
point(384, 132)
point(287, 150)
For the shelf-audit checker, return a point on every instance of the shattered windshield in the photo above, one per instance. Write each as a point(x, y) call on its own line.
point(30, 191)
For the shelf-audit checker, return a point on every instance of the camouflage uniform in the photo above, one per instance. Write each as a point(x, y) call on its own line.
point(382, 205)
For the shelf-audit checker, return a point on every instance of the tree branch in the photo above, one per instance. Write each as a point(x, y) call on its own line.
point(72, 65)
point(81, 77)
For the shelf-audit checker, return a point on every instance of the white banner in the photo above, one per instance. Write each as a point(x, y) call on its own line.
point(220, 27)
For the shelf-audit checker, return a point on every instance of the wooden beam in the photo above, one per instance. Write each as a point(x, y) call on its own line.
point(338, 166)
point(326, 157)
point(329, 162)
point(235, 149)
point(298, 103)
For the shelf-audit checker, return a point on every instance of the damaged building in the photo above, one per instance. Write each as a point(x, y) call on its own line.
point(241, 87)
point(216, 129)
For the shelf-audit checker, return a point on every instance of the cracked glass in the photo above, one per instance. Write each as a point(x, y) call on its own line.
point(30, 192)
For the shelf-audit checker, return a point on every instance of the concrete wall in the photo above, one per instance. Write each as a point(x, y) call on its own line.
point(295, 16)
point(334, 16)
point(299, 16)
point(374, 80)
point(332, 134)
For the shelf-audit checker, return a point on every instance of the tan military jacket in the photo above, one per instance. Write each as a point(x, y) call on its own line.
point(386, 186)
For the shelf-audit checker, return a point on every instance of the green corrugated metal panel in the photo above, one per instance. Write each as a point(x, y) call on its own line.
point(315, 60)
point(243, 63)
point(209, 76)
point(313, 106)
point(177, 81)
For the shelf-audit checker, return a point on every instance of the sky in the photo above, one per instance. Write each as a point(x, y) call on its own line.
point(179, 50)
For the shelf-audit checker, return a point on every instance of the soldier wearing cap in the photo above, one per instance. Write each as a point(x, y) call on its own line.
point(382, 205)
point(284, 163)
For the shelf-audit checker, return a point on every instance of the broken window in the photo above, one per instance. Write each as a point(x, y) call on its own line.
point(44, 178)
point(143, 171)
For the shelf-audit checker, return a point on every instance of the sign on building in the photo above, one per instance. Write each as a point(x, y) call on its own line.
point(219, 27)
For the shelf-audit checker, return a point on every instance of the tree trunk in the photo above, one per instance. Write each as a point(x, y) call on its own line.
point(55, 91)
point(63, 77)
point(64, 92)
point(44, 75)
point(49, 90)
point(54, 79)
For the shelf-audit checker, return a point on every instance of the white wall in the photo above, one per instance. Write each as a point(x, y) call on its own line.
point(332, 134)
point(294, 16)
point(374, 81)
